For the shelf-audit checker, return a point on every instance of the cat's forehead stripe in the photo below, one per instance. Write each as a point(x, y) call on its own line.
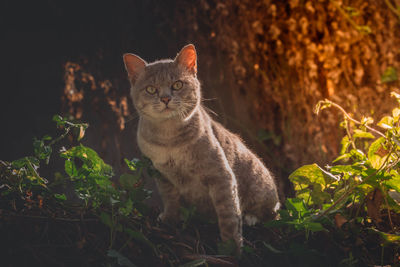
point(161, 71)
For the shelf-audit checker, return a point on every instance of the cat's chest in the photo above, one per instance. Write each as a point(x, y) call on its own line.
point(164, 158)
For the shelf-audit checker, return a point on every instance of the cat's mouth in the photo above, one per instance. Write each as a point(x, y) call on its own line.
point(167, 109)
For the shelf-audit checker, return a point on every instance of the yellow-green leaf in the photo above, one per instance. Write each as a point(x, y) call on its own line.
point(386, 122)
point(361, 134)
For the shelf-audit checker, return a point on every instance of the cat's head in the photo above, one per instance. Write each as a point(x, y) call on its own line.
point(166, 88)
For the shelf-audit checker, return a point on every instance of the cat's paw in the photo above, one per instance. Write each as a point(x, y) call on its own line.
point(250, 220)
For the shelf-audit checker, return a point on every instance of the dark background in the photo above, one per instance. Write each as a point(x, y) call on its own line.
point(39, 37)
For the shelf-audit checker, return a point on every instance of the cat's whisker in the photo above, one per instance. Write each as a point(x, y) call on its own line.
point(209, 99)
point(211, 111)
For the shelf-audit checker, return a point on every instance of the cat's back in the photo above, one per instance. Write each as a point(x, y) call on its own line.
point(257, 189)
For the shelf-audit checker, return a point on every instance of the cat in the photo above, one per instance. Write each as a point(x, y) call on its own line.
point(202, 163)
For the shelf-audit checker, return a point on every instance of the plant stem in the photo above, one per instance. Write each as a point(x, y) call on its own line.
point(60, 137)
point(353, 145)
point(391, 7)
point(388, 208)
point(353, 120)
point(348, 192)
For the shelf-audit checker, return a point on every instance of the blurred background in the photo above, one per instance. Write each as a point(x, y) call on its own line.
point(263, 66)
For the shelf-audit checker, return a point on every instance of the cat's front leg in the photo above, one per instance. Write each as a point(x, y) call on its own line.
point(171, 201)
point(224, 195)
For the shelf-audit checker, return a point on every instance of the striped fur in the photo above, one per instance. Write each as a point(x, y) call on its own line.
point(203, 164)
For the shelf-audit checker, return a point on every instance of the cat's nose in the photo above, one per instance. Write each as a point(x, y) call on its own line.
point(165, 99)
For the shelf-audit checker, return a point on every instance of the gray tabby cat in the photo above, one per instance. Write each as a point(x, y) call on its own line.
point(203, 164)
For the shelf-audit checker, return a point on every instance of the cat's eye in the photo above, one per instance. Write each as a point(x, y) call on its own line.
point(151, 90)
point(177, 85)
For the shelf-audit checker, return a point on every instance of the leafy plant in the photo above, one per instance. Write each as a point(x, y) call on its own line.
point(359, 188)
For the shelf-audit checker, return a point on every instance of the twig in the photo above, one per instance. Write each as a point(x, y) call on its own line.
point(359, 28)
point(60, 137)
point(349, 135)
point(391, 7)
point(353, 120)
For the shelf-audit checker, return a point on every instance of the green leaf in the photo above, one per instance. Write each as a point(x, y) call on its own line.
point(357, 155)
point(344, 169)
point(296, 205)
point(70, 168)
point(46, 138)
point(374, 147)
point(345, 143)
point(342, 157)
point(127, 208)
point(386, 122)
point(131, 164)
point(314, 226)
point(61, 197)
point(194, 263)
point(376, 160)
point(128, 181)
point(91, 160)
point(362, 134)
point(315, 179)
point(308, 173)
point(393, 182)
point(396, 114)
point(58, 119)
point(389, 238)
point(121, 260)
point(106, 219)
point(389, 75)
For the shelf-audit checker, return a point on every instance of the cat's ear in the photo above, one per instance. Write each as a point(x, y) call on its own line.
point(187, 58)
point(134, 65)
